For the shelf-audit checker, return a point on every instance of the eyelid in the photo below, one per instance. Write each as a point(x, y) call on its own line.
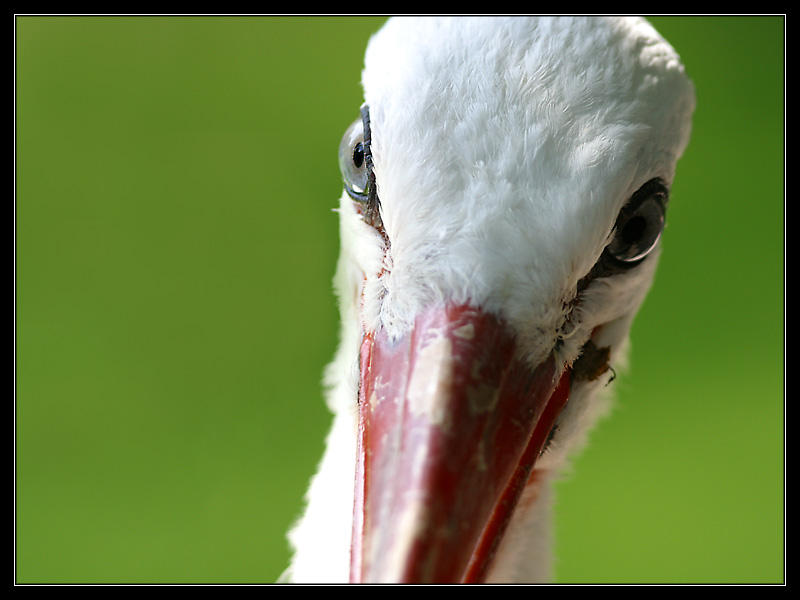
point(367, 139)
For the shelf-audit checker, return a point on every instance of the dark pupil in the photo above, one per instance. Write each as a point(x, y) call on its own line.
point(634, 229)
point(358, 155)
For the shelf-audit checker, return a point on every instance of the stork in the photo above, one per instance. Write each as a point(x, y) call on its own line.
point(505, 189)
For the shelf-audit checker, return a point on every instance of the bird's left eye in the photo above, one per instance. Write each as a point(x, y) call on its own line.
point(639, 224)
point(354, 161)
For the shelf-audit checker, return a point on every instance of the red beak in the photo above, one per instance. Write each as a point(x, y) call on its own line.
point(451, 424)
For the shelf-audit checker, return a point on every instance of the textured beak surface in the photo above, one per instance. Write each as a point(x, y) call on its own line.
point(451, 423)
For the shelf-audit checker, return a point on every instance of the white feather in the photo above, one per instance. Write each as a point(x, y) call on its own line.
point(503, 151)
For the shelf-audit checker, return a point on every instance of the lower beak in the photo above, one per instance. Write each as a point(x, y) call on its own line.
point(451, 424)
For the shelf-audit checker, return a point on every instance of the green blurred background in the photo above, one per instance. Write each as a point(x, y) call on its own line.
point(175, 243)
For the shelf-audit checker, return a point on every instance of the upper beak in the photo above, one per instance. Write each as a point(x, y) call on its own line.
point(451, 424)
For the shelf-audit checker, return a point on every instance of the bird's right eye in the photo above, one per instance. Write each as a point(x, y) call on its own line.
point(354, 162)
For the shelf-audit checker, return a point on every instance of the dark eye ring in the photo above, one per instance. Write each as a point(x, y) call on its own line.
point(639, 225)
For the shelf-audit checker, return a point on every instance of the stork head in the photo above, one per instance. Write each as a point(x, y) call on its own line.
point(506, 185)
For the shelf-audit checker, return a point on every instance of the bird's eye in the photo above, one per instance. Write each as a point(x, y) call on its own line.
point(353, 161)
point(639, 225)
